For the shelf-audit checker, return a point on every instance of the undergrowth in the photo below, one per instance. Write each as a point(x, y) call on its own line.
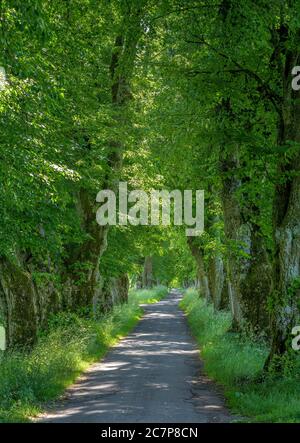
point(237, 361)
point(64, 350)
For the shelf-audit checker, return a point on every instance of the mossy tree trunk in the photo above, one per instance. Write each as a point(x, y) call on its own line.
point(248, 287)
point(114, 291)
point(19, 303)
point(286, 216)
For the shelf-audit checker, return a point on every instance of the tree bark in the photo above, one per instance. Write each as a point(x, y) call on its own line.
point(198, 254)
point(234, 234)
point(148, 272)
point(216, 279)
point(286, 218)
point(256, 284)
point(19, 303)
point(248, 287)
point(114, 291)
point(83, 274)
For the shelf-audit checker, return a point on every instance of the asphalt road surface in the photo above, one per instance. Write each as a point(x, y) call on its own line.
point(154, 375)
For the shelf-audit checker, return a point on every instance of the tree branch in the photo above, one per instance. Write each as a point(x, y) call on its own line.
point(269, 93)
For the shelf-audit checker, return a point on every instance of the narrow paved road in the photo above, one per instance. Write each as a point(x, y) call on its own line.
point(153, 375)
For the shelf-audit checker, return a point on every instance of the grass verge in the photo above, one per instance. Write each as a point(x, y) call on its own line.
point(63, 352)
point(237, 361)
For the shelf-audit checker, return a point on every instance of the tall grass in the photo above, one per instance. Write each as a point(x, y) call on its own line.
point(153, 295)
point(69, 345)
point(237, 363)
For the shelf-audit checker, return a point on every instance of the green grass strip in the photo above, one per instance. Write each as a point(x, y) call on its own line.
point(236, 362)
point(63, 352)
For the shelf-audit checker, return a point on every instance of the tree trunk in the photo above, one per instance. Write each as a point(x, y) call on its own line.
point(255, 286)
point(216, 279)
point(286, 220)
point(248, 270)
point(198, 254)
point(83, 274)
point(121, 289)
point(148, 273)
point(139, 281)
point(235, 234)
point(114, 291)
point(18, 300)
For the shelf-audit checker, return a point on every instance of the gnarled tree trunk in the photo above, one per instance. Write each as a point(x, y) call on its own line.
point(286, 219)
point(19, 303)
point(248, 287)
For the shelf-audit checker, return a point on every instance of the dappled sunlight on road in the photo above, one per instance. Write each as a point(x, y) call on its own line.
point(153, 375)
